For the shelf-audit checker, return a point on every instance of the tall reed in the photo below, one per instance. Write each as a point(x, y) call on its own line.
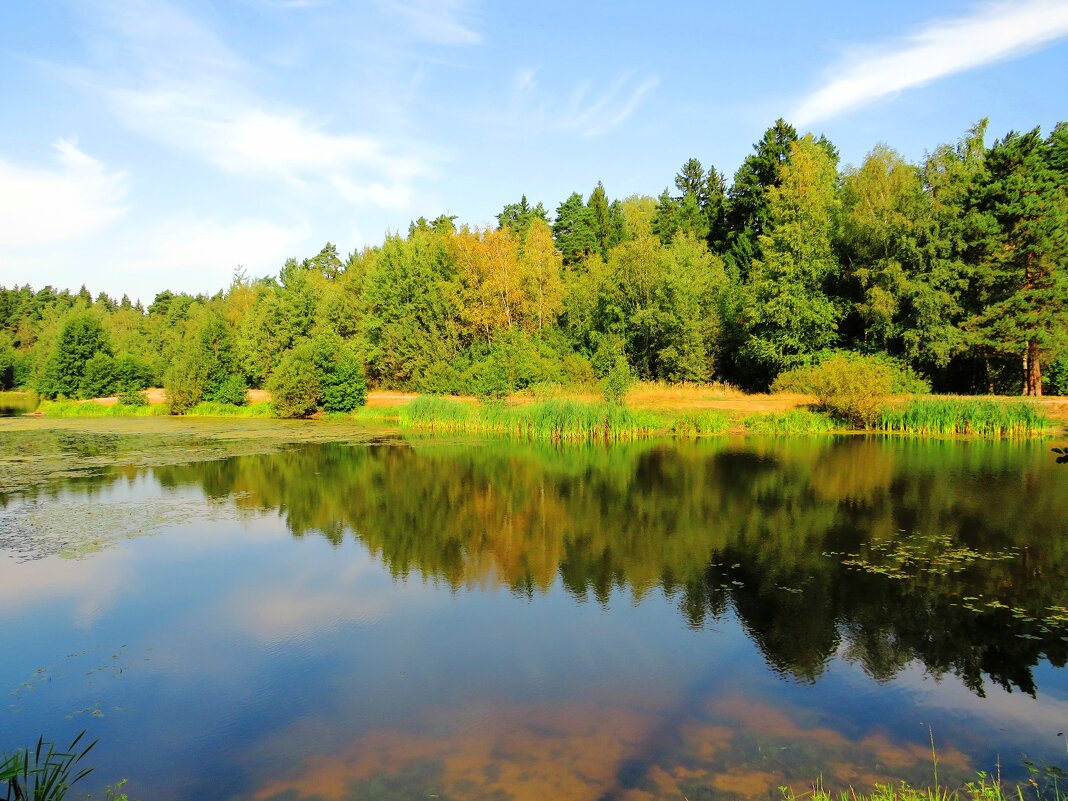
point(556, 420)
point(690, 424)
point(979, 417)
point(795, 421)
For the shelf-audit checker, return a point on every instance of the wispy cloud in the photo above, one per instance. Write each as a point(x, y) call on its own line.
point(587, 112)
point(72, 199)
point(436, 21)
point(992, 32)
point(182, 253)
point(192, 93)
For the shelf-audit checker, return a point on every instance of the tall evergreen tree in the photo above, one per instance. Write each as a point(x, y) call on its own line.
point(788, 315)
point(574, 230)
point(81, 338)
point(518, 217)
point(748, 205)
point(601, 219)
point(1024, 275)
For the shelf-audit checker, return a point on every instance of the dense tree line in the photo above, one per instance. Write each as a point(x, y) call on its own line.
point(955, 268)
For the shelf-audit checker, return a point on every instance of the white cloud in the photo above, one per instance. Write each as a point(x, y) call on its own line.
point(186, 254)
point(993, 32)
point(586, 114)
point(69, 201)
point(241, 138)
point(170, 79)
point(435, 21)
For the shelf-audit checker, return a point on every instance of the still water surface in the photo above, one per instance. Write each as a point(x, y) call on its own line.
point(482, 620)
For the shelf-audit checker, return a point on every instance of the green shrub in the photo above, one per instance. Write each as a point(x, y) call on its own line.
point(849, 386)
point(294, 385)
point(185, 382)
point(7, 368)
point(98, 377)
point(616, 383)
point(1055, 377)
point(345, 386)
point(130, 373)
point(231, 390)
point(132, 398)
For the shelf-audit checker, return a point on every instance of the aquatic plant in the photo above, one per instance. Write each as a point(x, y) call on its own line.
point(795, 421)
point(89, 409)
point(557, 420)
point(45, 773)
point(981, 417)
point(701, 422)
point(214, 409)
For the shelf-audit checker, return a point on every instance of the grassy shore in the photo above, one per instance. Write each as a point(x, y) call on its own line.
point(977, 417)
point(982, 789)
point(686, 410)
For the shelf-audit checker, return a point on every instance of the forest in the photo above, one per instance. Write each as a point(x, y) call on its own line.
point(953, 271)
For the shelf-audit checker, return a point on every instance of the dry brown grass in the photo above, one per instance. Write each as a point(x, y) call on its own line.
point(158, 396)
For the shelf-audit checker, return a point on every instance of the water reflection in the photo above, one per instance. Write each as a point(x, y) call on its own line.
point(758, 530)
point(493, 620)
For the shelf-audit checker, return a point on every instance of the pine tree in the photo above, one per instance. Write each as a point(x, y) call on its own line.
point(574, 230)
point(1023, 271)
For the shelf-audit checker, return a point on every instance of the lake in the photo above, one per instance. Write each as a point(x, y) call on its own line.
point(267, 611)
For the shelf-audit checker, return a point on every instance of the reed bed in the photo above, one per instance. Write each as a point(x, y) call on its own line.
point(978, 417)
point(700, 423)
point(89, 409)
point(555, 420)
point(796, 421)
point(212, 409)
point(372, 414)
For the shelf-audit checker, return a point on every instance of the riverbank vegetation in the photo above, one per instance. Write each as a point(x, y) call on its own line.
point(854, 281)
point(574, 416)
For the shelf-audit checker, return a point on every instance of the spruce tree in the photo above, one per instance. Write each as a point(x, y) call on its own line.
point(574, 230)
point(1023, 270)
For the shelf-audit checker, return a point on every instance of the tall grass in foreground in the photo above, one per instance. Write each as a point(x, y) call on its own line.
point(795, 421)
point(980, 417)
point(984, 788)
point(556, 420)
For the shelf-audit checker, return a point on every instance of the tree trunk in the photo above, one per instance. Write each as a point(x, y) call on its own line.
point(1034, 370)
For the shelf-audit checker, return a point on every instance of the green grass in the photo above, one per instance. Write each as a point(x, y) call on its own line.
point(978, 417)
point(983, 788)
point(383, 415)
point(212, 409)
point(691, 424)
point(555, 420)
point(89, 409)
point(795, 421)
point(202, 409)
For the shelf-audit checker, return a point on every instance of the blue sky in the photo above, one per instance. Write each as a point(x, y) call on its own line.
point(151, 145)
